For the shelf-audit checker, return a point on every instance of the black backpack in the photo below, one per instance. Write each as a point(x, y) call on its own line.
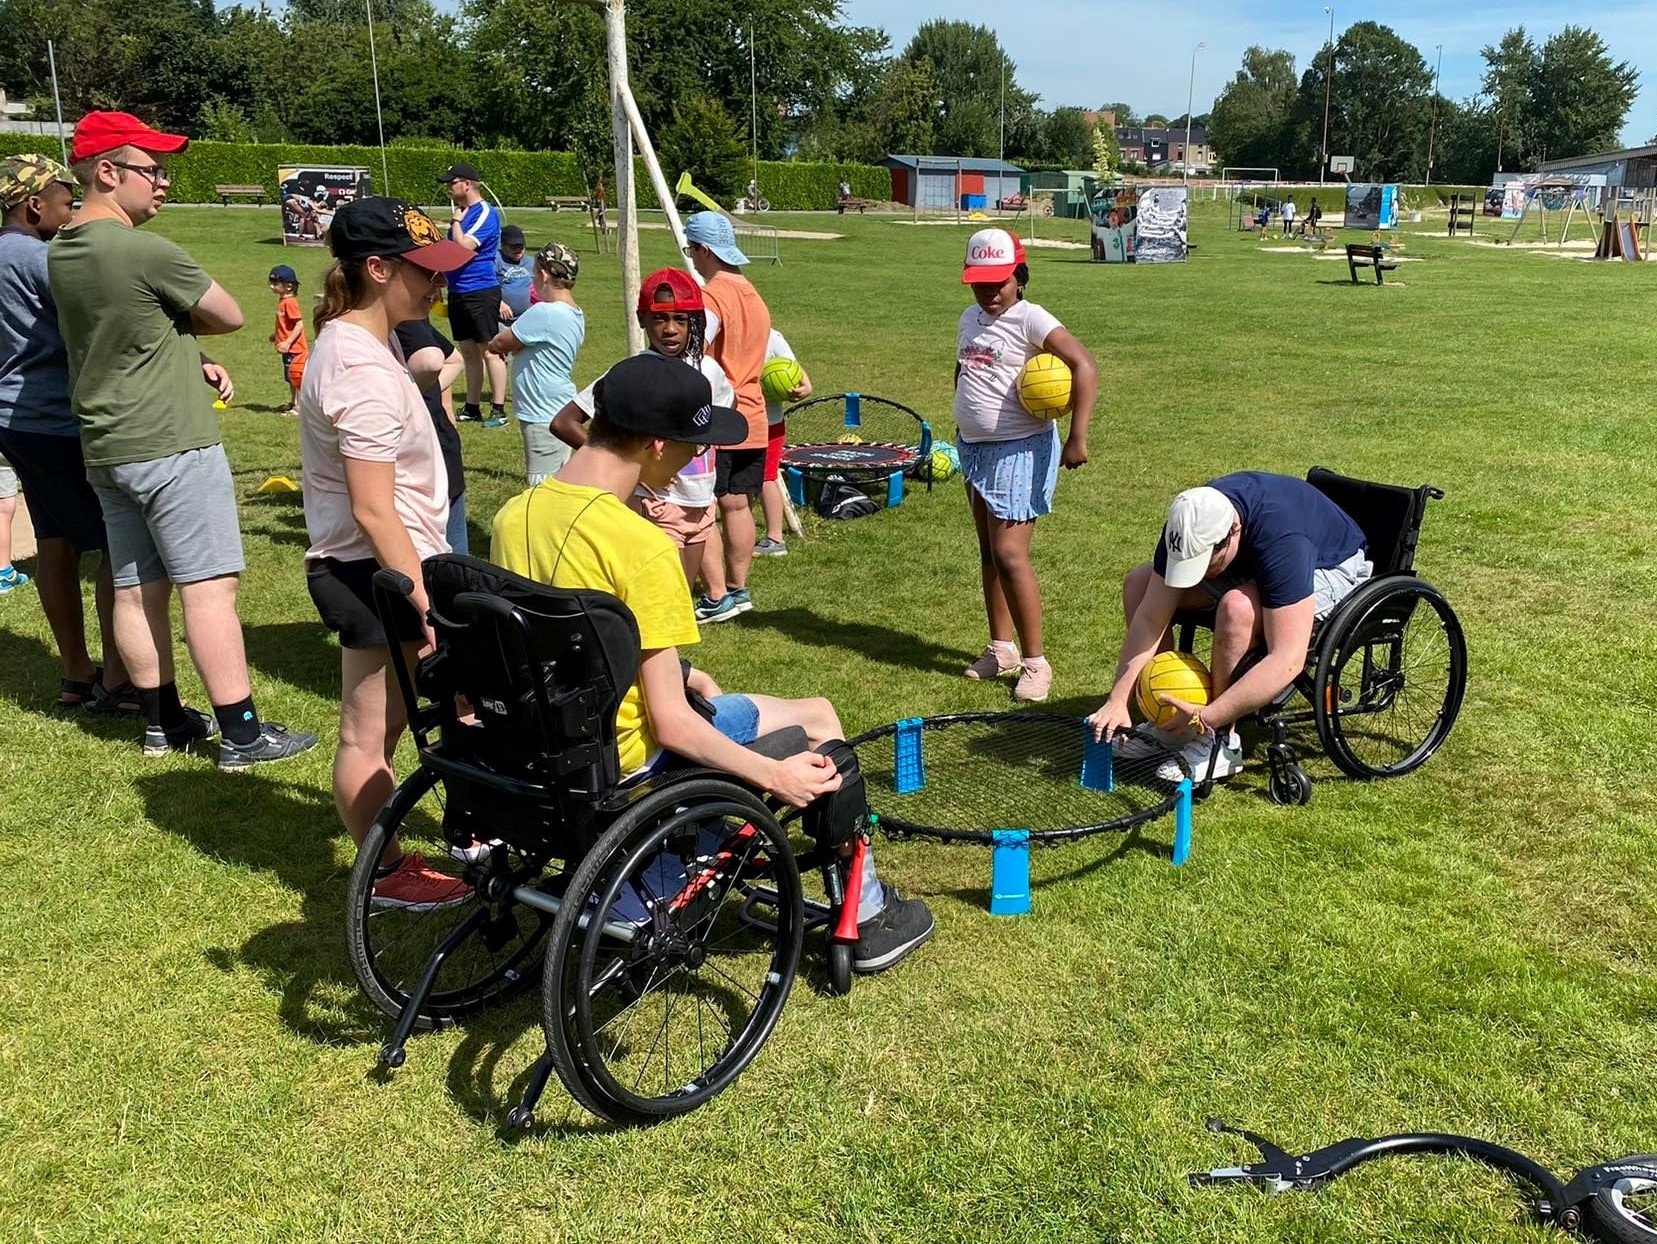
point(838, 499)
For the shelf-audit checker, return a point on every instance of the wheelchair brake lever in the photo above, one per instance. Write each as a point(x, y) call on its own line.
point(1280, 1171)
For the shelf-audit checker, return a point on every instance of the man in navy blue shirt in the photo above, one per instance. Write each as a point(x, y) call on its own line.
point(1271, 555)
point(475, 292)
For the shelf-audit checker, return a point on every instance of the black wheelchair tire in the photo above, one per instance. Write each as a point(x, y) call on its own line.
point(367, 945)
point(839, 968)
point(1368, 607)
point(1609, 1219)
point(1290, 788)
point(572, 977)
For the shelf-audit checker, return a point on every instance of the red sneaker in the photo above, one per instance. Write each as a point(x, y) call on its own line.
point(413, 886)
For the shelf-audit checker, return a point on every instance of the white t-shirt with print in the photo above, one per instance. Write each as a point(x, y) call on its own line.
point(776, 347)
point(991, 350)
point(692, 487)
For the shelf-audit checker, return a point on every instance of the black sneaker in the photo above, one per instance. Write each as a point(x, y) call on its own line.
point(274, 743)
point(469, 414)
point(892, 934)
point(197, 727)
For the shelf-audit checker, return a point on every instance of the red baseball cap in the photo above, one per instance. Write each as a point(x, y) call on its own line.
point(992, 254)
point(687, 294)
point(101, 132)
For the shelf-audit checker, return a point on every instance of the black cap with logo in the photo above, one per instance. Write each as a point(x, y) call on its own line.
point(652, 395)
point(375, 226)
point(458, 172)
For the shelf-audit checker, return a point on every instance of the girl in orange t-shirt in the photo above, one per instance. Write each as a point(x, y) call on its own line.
point(289, 337)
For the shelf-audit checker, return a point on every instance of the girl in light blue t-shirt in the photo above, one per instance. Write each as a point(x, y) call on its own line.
point(542, 344)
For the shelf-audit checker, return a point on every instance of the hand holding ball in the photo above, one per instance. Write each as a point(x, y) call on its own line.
point(1179, 674)
point(1045, 387)
point(780, 377)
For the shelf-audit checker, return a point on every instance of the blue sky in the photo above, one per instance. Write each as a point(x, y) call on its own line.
point(1086, 52)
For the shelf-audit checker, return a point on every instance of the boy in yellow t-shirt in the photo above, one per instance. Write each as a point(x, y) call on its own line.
point(575, 530)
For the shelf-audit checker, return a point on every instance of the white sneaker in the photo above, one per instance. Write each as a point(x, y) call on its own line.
point(475, 853)
point(1144, 743)
point(1196, 755)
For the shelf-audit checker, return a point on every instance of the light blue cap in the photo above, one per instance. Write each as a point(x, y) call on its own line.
point(715, 231)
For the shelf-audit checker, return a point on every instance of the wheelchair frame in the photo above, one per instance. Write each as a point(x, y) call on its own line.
point(1372, 621)
point(647, 873)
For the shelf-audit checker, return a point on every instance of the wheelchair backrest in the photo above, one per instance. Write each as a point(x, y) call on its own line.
point(1389, 515)
point(544, 670)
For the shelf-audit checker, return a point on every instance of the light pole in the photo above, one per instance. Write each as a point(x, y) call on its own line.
point(57, 99)
point(1190, 93)
point(1328, 81)
point(1432, 130)
point(379, 117)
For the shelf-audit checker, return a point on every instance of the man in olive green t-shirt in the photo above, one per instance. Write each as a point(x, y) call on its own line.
point(130, 307)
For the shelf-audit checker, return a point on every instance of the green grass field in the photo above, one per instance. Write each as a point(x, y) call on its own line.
point(185, 1056)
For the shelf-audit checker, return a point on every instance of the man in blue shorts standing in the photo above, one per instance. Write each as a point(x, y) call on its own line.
point(1271, 555)
point(475, 292)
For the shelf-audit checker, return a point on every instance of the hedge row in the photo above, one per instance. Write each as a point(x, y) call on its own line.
point(517, 178)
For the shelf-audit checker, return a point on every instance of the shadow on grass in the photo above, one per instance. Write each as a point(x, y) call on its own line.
point(301, 654)
point(285, 829)
point(277, 517)
point(867, 639)
point(474, 1072)
point(1128, 841)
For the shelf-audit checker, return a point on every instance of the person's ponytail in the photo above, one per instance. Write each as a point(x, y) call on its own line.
point(343, 286)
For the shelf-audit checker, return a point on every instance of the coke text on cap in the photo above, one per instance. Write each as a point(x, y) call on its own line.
point(992, 255)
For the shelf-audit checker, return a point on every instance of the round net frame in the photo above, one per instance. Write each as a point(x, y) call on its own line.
point(1035, 772)
point(894, 436)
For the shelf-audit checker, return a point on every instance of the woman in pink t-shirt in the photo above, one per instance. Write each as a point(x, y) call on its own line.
point(376, 494)
point(1009, 460)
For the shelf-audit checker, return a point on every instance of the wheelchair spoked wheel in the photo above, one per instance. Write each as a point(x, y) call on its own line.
point(390, 946)
point(658, 989)
point(1390, 680)
point(1626, 1211)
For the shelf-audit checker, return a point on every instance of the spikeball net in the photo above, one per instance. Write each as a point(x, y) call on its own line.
point(855, 437)
point(973, 777)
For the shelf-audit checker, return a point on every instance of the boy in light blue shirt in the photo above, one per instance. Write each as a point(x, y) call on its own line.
point(515, 272)
point(543, 343)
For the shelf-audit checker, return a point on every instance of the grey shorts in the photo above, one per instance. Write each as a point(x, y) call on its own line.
point(1329, 587)
point(171, 518)
point(8, 480)
point(544, 453)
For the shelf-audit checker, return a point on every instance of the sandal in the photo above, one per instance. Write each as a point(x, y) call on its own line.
point(119, 701)
point(83, 691)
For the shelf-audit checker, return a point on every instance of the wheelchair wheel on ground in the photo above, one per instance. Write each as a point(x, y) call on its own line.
point(498, 944)
point(840, 968)
point(1625, 1212)
point(1390, 678)
point(658, 990)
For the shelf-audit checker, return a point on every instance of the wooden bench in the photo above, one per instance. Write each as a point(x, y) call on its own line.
point(851, 203)
point(1364, 256)
point(575, 202)
point(258, 193)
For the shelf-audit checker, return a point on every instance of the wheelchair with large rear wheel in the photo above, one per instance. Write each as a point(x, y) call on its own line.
point(1386, 669)
point(664, 917)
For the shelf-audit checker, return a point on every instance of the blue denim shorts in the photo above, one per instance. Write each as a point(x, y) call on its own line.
point(734, 716)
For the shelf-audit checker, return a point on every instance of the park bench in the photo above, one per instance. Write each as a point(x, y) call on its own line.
point(1012, 203)
point(258, 193)
point(1365, 256)
point(574, 202)
point(851, 203)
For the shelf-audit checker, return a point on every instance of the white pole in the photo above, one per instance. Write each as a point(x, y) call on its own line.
point(1328, 83)
point(1002, 153)
point(615, 29)
point(753, 102)
point(379, 119)
point(1432, 132)
point(653, 166)
point(57, 100)
point(1190, 93)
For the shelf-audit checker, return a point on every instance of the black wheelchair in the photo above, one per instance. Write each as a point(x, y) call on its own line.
point(664, 917)
point(1386, 670)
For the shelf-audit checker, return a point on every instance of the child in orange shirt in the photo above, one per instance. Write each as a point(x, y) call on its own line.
point(289, 337)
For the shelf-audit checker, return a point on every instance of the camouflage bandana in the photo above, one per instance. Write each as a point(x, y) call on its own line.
point(23, 176)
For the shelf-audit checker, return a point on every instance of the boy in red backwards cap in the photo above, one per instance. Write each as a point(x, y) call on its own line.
point(674, 320)
point(130, 306)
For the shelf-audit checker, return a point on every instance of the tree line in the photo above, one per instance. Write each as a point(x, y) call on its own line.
point(1562, 97)
point(531, 75)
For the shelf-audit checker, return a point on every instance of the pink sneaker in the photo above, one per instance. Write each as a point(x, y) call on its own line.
point(992, 663)
point(414, 886)
point(1035, 682)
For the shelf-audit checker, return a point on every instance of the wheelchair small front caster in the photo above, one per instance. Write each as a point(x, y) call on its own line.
point(840, 968)
point(520, 1119)
point(392, 1057)
point(1288, 785)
